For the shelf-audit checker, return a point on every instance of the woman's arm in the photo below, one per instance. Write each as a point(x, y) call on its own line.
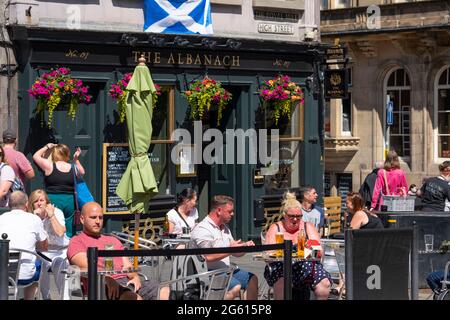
point(43, 163)
point(80, 169)
point(56, 225)
point(5, 185)
point(377, 189)
point(359, 219)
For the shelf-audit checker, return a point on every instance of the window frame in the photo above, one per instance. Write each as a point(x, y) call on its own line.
point(436, 134)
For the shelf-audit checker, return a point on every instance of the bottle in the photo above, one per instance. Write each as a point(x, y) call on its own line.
point(166, 225)
point(301, 244)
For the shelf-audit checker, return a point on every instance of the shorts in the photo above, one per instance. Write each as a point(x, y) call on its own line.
point(303, 273)
point(148, 290)
point(241, 277)
point(37, 273)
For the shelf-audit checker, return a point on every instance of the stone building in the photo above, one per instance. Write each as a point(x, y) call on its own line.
point(399, 51)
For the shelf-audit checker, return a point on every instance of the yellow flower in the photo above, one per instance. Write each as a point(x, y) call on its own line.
point(271, 82)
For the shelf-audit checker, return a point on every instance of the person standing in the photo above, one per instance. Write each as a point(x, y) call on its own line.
point(436, 190)
point(7, 177)
point(368, 185)
point(213, 232)
point(16, 159)
point(390, 181)
point(311, 212)
point(59, 179)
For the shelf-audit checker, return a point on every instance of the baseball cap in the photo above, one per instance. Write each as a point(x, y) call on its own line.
point(9, 135)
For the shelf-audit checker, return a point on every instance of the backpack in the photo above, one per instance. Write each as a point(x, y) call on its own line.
point(183, 266)
point(17, 184)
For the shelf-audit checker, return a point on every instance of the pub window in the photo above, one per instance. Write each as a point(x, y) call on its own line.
point(442, 114)
point(347, 115)
point(398, 88)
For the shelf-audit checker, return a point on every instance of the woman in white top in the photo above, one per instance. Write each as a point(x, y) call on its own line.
point(7, 177)
point(185, 214)
point(54, 224)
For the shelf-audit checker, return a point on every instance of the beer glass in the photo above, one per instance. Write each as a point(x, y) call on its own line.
point(279, 238)
point(109, 261)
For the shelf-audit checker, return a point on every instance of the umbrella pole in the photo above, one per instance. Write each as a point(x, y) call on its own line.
point(136, 238)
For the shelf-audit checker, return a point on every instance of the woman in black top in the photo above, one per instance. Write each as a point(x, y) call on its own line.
point(59, 178)
point(361, 217)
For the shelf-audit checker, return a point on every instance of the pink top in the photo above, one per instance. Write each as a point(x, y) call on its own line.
point(18, 162)
point(397, 185)
point(81, 242)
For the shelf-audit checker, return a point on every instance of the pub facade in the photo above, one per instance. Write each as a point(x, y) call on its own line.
point(241, 61)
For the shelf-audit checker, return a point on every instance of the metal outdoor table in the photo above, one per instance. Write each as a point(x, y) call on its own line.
point(172, 243)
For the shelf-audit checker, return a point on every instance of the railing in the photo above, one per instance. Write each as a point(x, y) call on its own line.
point(93, 254)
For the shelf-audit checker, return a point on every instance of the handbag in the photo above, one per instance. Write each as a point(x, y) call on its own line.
point(81, 191)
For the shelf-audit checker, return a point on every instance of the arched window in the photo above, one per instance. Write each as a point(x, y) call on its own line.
point(398, 87)
point(442, 113)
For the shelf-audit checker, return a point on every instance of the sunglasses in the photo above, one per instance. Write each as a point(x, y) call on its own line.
point(294, 216)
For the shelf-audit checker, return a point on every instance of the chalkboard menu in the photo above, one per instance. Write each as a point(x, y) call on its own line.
point(115, 160)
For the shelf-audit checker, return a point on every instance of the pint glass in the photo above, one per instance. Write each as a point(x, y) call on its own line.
point(279, 238)
point(109, 262)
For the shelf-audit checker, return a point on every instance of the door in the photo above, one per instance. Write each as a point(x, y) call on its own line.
point(84, 131)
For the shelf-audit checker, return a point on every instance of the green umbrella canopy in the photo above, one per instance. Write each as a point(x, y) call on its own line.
point(138, 184)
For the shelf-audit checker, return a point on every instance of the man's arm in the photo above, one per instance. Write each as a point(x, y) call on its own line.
point(29, 174)
point(80, 260)
point(42, 245)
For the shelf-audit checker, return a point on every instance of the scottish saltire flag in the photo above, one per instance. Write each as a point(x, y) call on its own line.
point(178, 16)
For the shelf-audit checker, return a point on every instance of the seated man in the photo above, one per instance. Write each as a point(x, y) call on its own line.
point(303, 272)
point(434, 280)
point(212, 232)
point(118, 286)
point(25, 231)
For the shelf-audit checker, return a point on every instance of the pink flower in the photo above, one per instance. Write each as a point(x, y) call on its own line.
point(61, 84)
point(197, 89)
point(63, 70)
point(84, 90)
point(79, 83)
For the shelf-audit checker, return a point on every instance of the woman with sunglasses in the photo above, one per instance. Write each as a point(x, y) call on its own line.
point(304, 272)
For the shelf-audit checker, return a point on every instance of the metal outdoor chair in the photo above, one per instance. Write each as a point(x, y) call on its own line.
point(330, 262)
point(152, 263)
point(444, 294)
point(14, 263)
point(213, 284)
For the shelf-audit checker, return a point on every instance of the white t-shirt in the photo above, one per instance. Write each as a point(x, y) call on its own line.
point(6, 174)
point(24, 230)
point(178, 222)
point(207, 234)
point(54, 241)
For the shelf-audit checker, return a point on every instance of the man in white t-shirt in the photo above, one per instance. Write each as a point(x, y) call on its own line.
point(212, 232)
point(25, 231)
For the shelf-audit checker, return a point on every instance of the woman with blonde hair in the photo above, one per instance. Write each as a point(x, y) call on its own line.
point(303, 271)
point(391, 180)
point(54, 224)
point(59, 178)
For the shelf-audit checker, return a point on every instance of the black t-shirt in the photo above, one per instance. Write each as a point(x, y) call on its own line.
point(434, 192)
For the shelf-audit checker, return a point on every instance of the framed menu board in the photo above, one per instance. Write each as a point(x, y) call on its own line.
point(115, 160)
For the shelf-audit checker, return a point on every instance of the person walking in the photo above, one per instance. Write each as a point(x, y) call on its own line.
point(368, 185)
point(391, 180)
point(16, 159)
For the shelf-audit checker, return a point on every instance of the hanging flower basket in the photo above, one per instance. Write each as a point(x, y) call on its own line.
point(206, 95)
point(117, 92)
point(281, 96)
point(57, 87)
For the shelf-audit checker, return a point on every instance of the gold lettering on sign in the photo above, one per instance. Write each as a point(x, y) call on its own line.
point(75, 54)
point(207, 59)
point(188, 59)
point(157, 57)
point(171, 59)
point(236, 61)
point(217, 61)
point(198, 60)
point(180, 60)
point(226, 61)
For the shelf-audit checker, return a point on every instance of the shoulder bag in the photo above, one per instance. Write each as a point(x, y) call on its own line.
point(82, 194)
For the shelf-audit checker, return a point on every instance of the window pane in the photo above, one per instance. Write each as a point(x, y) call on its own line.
point(327, 120)
point(396, 145)
point(443, 147)
point(289, 172)
point(407, 83)
point(443, 122)
point(400, 81)
point(159, 154)
point(443, 77)
point(406, 96)
point(391, 80)
point(288, 128)
point(347, 113)
point(160, 118)
point(394, 96)
point(395, 128)
point(443, 99)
